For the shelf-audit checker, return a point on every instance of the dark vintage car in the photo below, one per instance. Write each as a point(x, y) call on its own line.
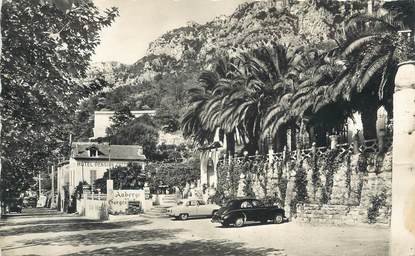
point(239, 211)
point(14, 205)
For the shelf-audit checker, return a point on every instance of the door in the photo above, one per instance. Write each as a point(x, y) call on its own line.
point(261, 211)
point(202, 209)
point(192, 206)
point(248, 210)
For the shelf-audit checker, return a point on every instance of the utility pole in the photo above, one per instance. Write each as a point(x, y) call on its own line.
point(40, 184)
point(53, 186)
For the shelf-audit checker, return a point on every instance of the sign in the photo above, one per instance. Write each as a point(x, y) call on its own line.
point(105, 163)
point(147, 192)
point(121, 198)
point(41, 202)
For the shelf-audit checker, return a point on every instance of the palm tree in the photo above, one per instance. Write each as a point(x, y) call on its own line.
point(201, 118)
point(371, 50)
point(293, 99)
point(256, 90)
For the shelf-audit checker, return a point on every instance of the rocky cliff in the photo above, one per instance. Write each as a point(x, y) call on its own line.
point(192, 47)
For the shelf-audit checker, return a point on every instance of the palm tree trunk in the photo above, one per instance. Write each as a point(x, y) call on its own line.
point(252, 146)
point(281, 139)
point(293, 137)
point(369, 117)
point(230, 142)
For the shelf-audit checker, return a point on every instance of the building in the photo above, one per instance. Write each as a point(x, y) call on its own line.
point(89, 161)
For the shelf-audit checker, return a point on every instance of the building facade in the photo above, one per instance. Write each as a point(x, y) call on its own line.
point(89, 161)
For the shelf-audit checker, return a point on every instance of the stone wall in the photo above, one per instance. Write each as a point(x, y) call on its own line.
point(316, 185)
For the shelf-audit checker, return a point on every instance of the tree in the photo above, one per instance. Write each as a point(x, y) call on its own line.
point(131, 176)
point(192, 124)
point(173, 174)
point(139, 131)
point(372, 48)
point(44, 57)
point(122, 117)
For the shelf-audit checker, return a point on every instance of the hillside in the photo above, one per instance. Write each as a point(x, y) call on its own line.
point(176, 50)
point(173, 61)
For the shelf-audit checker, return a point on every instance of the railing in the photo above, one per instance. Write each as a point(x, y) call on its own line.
point(367, 146)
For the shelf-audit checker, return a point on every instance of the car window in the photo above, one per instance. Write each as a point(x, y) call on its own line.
point(257, 204)
point(232, 204)
point(193, 203)
point(246, 204)
point(201, 202)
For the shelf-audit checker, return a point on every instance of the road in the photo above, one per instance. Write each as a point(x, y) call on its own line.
point(42, 232)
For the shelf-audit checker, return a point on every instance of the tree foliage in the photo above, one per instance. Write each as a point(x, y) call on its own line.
point(139, 131)
point(172, 174)
point(122, 117)
point(131, 176)
point(261, 92)
point(45, 54)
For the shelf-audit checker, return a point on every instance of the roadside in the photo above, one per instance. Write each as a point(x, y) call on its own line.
point(57, 234)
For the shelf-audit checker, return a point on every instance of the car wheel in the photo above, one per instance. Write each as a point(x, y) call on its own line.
point(239, 222)
point(184, 216)
point(278, 219)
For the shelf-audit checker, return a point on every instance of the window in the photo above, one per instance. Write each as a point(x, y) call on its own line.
point(246, 204)
point(93, 152)
point(193, 203)
point(201, 202)
point(257, 204)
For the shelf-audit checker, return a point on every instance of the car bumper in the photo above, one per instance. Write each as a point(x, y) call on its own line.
point(217, 219)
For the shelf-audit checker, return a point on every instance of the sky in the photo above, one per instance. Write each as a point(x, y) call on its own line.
point(142, 21)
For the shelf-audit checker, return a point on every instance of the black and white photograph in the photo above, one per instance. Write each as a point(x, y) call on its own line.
point(207, 127)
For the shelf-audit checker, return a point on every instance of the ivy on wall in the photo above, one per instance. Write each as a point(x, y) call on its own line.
point(376, 202)
point(269, 180)
point(300, 181)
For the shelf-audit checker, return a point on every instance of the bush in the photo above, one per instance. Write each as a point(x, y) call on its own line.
point(377, 201)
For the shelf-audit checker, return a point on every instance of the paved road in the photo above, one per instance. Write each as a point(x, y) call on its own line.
point(41, 232)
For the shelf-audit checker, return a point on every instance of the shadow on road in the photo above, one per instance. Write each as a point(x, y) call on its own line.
point(100, 238)
point(60, 220)
point(251, 224)
point(188, 248)
point(80, 225)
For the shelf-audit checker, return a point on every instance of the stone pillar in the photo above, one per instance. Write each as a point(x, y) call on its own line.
point(241, 186)
point(403, 170)
point(333, 141)
point(204, 158)
point(110, 189)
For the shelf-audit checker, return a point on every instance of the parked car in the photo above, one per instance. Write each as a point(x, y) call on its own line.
point(14, 205)
point(239, 211)
point(30, 202)
point(192, 208)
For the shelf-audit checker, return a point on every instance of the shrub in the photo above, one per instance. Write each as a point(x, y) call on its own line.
point(376, 202)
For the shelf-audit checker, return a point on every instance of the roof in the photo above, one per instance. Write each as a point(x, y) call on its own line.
point(80, 150)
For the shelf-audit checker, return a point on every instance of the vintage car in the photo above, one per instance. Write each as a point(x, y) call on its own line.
point(29, 202)
point(192, 208)
point(14, 205)
point(240, 211)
